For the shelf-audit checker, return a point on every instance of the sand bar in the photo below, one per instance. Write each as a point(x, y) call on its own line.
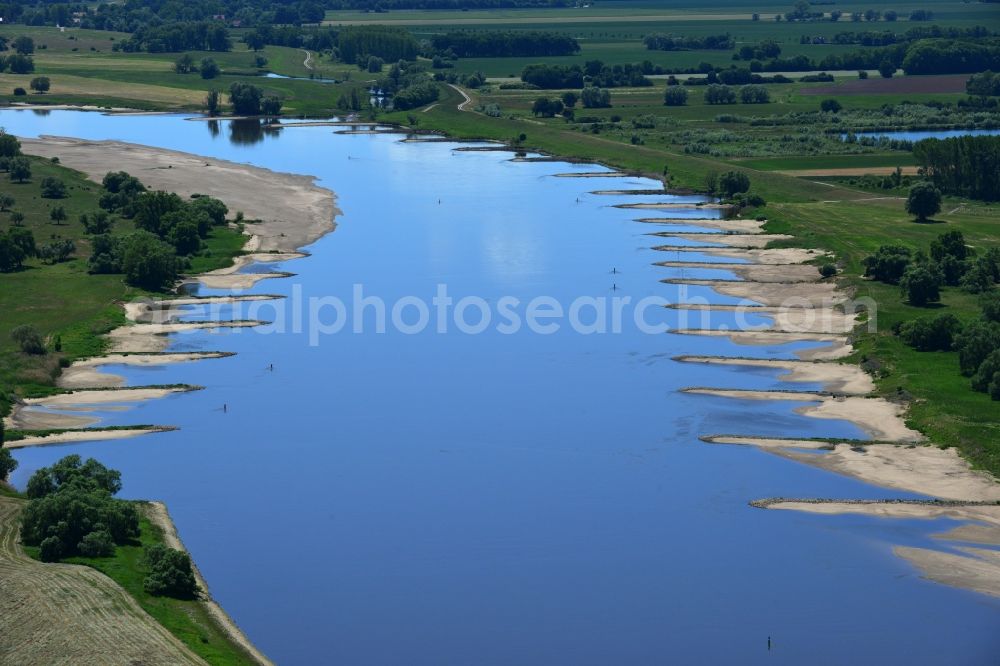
point(829, 347)
point(771, 273)
point(835, 377)
point(735, 225)
point(878, 417)
point(748, 241)
point(293, 210)
point(90, 435)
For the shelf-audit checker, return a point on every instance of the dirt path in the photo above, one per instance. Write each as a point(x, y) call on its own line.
point(307, 63)
point(67, 614)
point(462, 106)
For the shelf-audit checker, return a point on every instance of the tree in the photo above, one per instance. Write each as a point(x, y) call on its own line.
point(185, 238)
point(733, 182)
point(830, 106)
point(7, 462)
point(595, 98)
point(921, 284)
point(96, 223)
point(719, 94)
point(11, 256)
point(53, 188)
point(6, 202)
point(754, 94)
point(9, 145)
point(20, 169)
point(888, 263)
point(147, 261)
point(17, 218)
point(170, 573)
point(24, 45)
point(20, 64)
point(209, 69)
point(28, 339)
point(675, 96)
point(24, 239)
point(245, 98)
point(977, 340)
point(271, 106)
point(184, 64)
point(886, 68)
point(546, 107)
point(569, 99)
point(57, 214)
point(212, 102)
point(949, 244)
point(931, 333)
point(923, 201)
point(40, 84)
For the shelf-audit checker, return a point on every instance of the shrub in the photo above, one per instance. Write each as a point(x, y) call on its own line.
point(827, 270)
point(97, 544)
point(675, 96)
point(931, 333)
point(921, 284)
point(888, 263)
point(830, 106)
point(170, 573)
point(28, 339)
point(20, 92)
point(976, 341)
point(53, 188)
point(733, 182)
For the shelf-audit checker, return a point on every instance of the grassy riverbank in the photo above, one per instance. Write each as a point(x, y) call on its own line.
point(71, 308)
point(851, 223)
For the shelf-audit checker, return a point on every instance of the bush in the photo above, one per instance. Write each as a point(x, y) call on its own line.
point(675, 96)
point(595, 98)
point(170, 573)
point(147, 261)
point(931, 333)
point(753, 94)
point(827, 270)
point(830, 106)
point(97, 544)
point(20, 92)
point(733, 182)
point(53, 188)
point(7, 462)
point(921, 284)
point(888, 263)
point(72, 510)
point(976, 341)
point(28, 339)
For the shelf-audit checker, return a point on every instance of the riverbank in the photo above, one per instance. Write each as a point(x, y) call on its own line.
point(284, 211)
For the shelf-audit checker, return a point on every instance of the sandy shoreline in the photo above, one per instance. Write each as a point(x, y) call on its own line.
point(159, 516)
point(293, 210)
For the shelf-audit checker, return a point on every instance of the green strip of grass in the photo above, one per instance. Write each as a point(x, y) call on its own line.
point(186, 619)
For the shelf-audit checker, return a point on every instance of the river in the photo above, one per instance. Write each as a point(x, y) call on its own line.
point(502, 497)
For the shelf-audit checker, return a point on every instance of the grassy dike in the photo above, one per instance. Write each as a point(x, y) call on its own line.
point(849, 223)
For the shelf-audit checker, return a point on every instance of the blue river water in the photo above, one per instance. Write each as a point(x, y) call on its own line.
point(919, 135)
point(501, 498)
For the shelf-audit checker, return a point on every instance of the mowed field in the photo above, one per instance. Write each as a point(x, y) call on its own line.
point(612, 31)
point(71, 614)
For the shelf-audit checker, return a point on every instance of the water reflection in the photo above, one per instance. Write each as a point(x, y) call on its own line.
point(250, 131)
point(213, 128)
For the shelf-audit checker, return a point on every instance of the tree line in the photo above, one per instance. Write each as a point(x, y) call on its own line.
point(178, 36)
point(504, 43)
point(356, 43)
point(72, 511)
point(964, 166)
point(662, 42)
